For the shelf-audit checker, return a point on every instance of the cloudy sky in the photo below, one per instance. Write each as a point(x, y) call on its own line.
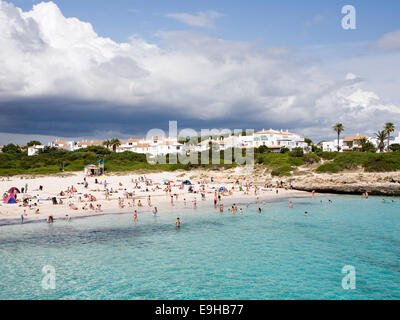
point(98, 69)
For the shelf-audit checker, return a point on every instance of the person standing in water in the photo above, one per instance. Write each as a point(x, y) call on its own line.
point(22, 219)
point(291, 205)
point(306, 214)
point(155, 212)
point(135, 216)
point(178, 223)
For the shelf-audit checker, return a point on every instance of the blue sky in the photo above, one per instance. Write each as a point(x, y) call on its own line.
point(225, 64)
point(276, 23)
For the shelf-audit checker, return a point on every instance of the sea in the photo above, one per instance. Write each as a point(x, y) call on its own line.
point(346, 248)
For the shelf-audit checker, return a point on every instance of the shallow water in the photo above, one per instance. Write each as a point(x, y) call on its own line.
point(280, 254)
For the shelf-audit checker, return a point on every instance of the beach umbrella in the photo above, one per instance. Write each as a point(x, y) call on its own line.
point(10, 199)
point(13, 189)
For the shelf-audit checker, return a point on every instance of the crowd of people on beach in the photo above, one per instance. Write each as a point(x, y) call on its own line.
point(83, 195)
point(138, 194)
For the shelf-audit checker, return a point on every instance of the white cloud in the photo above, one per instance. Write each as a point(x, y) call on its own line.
point(202, 78)
point(315, 20)
point(200, 19)
point(351, 76)
point(389, 41)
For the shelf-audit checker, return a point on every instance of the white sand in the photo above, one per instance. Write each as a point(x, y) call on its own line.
point(53, 185)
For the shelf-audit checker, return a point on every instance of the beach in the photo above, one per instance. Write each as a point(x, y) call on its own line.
point(126, 190)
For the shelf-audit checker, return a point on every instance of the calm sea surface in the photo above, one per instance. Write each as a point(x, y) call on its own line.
point(279, 254)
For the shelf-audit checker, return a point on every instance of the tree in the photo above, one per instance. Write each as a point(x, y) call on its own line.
point(338, 128)
point(366, 146)
point(389, 128)
point(33, 143)
point(395, 147)
point(11, 148)
point(107, 143)
point(115, 143)
point(262, 149)
point(308, 141)
point(381, 136)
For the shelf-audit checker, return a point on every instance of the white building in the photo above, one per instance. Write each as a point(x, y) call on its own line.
point(32, 150)
point(154, 146)
point(63, 144)
point(85, 144)
point(350, 144)
point(276, 140)
point(331, 146)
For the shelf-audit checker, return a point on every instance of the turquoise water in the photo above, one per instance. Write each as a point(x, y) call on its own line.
point(280, 254)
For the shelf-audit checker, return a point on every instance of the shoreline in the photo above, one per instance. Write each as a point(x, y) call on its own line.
point(140, 187)
point(10, 221)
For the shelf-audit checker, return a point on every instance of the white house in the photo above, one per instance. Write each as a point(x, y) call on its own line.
point(32, 150)
point(63, 144)
point(276, 140)
point(331, 146)
point(85, 144)
point(349, 144)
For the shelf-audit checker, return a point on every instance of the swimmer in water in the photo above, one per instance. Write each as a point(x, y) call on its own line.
point(241, 211)
point(178, 223)
point(290, 204)
point(306, 213)
point(259, 210)
point(155, 212)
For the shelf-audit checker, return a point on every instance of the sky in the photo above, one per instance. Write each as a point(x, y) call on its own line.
point(101, 69)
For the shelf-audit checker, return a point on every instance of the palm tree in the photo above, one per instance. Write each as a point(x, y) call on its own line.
point(115, 143)
point(389, 128)
point(338, 128)
point(363, 142)
point(381, 136)
point(107, 143)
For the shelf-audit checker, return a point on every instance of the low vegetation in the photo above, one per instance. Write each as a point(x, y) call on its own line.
point(371, 162)
point(51, 161)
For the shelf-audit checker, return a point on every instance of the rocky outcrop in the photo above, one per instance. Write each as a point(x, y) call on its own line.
point(375, 189)
point(385, 183)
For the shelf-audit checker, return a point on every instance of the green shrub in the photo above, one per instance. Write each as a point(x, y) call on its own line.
point(311, 158)
point(380, 164)
point(282, 171)
point(296, 152)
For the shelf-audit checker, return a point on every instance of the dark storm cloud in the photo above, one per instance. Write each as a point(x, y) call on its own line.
point(77, 118)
